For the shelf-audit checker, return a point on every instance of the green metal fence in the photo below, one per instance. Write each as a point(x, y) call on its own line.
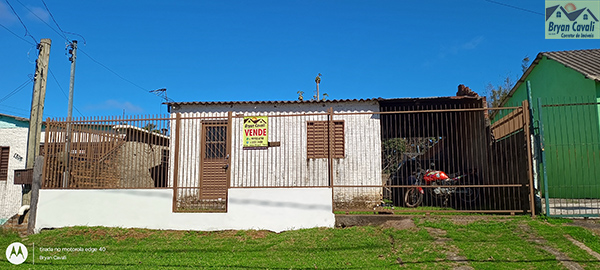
point(569, 136)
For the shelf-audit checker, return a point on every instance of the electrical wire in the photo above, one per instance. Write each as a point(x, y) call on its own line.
point(26, 30)
point(59, 33)
point(21, 38)
point(112, 71)
point(515, 7)
point(15, 113)
point(63, 91)
point(63, 34)
point(56, 23)
point(13, 92)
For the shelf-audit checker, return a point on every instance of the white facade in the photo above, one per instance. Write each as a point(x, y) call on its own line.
point(275, 189)
point(15, 137)
point(287, 164)
point(272, 209)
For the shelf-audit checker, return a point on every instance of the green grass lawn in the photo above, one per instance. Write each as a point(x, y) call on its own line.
point(504, 243)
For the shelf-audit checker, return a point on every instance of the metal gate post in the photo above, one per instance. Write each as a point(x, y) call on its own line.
point(330, 134)
point(526, 124)
point(176, 158)
point(543, 154)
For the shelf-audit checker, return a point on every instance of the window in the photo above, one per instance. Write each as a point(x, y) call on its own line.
point(585, 16)
point(558, 14)
point(317, 139)
point(4, 152)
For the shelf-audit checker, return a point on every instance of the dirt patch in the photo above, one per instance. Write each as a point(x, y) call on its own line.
point(115, 233)
point(258, 234)
point(402, 224)
point(451, 251)
point(583, 246)
point(591, 224)
point(342, 221)
point(564, 259)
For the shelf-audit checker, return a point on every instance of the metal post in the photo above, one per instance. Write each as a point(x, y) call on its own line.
point(330, 142)
point(176, 158)
point(533, 141)
point(534, 149)
point(526, 125)
point(543, 154)
point(73, 57)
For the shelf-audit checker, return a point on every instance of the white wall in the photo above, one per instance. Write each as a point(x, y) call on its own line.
point(287, 165)
point(10, 194)
point(275, 209)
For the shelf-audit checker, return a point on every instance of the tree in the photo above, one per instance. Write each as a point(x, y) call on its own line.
point(525, 64)
point(498, 93)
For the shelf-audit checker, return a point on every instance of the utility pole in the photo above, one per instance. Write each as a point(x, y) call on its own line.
point(73, 58)
point(37, 102)
point(37, 110)
point(318, 81)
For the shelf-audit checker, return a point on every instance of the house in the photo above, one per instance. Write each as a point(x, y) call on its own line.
point(101, 156)
point(567, 83)
point(238, 165)
point(275, 165)
point(13, 150)
point(297, 135)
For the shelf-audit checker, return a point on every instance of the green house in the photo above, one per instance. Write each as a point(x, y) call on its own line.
point(565, 91)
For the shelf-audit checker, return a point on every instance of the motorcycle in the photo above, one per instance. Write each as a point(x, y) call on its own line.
point(440, 186)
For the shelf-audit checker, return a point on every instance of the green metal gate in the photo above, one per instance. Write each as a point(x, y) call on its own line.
point(570, 151)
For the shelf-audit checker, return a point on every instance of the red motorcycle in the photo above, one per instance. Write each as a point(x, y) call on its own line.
point(440, 186)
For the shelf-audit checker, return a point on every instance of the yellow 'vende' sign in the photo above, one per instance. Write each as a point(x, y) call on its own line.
point(256, 132)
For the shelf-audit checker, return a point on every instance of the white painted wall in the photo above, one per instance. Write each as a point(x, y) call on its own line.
point(10, 194)
point(287, 165)
point(274, 209)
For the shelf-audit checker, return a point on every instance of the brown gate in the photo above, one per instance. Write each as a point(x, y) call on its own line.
point(201, 172)
point(214, 167)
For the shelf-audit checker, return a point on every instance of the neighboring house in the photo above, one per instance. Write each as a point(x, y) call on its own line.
point(101, 157)
point(13, 150)
point(570, 82)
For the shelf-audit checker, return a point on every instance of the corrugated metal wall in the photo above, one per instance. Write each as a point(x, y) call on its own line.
point(287, 165)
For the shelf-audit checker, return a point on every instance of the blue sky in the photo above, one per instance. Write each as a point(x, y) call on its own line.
point(264, 50)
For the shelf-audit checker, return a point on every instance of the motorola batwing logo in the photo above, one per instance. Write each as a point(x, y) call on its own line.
point(16, 253)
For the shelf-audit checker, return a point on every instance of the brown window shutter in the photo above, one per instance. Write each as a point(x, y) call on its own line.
point(317, 145)
point(338, 141)
point(4, 153)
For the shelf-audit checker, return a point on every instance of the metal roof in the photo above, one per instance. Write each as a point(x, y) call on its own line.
point(586, 62)
point(269, 102)
point(15, 117)
point(314, 101)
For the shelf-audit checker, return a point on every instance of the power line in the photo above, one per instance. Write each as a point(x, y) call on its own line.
point(63, 91)
point(113, 72)
point(26, 30)
point(13, 92)
point(21, 38)
point(515, 7)
point(24, 115)
point(60, 34)
point(55, 22)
